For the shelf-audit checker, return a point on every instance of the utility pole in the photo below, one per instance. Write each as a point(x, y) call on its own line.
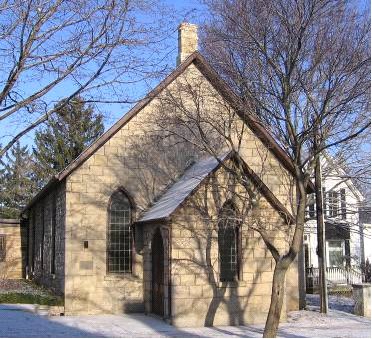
point(321, 237)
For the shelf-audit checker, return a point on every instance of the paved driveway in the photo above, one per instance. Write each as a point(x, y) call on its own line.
point(21, 321)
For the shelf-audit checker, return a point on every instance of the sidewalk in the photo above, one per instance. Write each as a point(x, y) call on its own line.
point(20, 321)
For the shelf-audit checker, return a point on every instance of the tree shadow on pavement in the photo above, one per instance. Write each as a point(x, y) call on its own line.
point(19, 321)
point(335, 302)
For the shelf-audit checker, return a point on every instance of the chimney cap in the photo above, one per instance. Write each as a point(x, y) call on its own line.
point(187, 25)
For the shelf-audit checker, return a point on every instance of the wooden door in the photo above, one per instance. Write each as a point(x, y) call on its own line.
point(157, 274)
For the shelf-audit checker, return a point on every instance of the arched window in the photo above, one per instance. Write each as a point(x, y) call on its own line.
point(119, 237)
point(228, 243)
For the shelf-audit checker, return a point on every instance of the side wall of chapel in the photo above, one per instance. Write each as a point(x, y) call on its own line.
point(46, 250)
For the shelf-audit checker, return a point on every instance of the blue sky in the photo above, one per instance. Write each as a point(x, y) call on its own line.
point(184, 10)
point(181, 10)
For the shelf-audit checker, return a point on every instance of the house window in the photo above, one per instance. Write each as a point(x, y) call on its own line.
point(228, 243)
point(335, 253)
point(311, 206)
point(119, 245)
point(2, 247)
point(311, 210)
point(332, 203)
point(343, 203)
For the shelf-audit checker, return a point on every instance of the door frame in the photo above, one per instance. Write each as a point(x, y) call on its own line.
point(158, 234)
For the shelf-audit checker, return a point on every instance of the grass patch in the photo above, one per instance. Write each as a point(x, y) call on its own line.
point(27, 298)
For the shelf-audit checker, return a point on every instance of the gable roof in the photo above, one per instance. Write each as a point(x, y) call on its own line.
point(192, 179)
point(179, 191)
point(341, 173)
point(222, 88)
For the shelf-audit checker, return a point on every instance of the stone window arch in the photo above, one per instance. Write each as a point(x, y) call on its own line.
point(119, 233)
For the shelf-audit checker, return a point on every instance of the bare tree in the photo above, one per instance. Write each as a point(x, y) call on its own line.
point(55, 50)
point(300, 70)
point(303, 68)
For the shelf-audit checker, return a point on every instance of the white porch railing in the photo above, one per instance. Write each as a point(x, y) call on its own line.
point(336, 275)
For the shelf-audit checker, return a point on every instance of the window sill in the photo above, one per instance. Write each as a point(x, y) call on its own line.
point(230, 284)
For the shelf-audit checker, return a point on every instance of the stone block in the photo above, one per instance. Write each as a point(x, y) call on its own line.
point(180, 291)
point(196, 292)
point(201, 279)
point(78, 187)
point(187, 279)
point(207, 291)
point(263, 289)
point(263, 265)
point(94, 170)
point(11, 266)
point(266, 277)
point(259, 252)
point(74, 198)
point(111, 150)
point(99, 160)
point(362, 299)
point(86, 265)
point(76, 178)
point(117, 141)
point(96, 187)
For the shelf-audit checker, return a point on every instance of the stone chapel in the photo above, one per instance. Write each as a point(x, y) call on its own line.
point(111, 237)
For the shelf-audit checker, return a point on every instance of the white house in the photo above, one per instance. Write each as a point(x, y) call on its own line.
point(347, 233)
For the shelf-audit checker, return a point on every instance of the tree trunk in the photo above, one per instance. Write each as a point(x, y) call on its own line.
point(218, 293)
point(277, 295)
point(283, 263)
point(213, 306)
point(321, 238)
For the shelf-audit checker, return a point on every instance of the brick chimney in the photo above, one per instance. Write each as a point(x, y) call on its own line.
point(187, 40)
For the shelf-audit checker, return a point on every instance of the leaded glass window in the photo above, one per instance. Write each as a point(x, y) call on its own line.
point(119, 246)
point(228, 243)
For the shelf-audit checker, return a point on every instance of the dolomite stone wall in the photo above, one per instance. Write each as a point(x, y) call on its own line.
point(198, 296)
point(89, 289)
point(40, 240)
point(12, 266)
point(83, 217)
